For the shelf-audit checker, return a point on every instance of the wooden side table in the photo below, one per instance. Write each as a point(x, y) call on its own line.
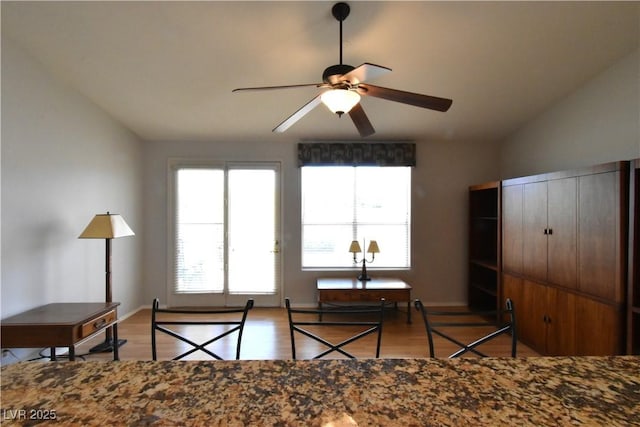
point(59, 325)
point(345, 290)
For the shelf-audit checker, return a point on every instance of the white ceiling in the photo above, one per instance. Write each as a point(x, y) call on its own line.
point(165, 70)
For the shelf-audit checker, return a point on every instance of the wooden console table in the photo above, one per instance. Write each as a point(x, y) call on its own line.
point(344, 290)
point(60, 325)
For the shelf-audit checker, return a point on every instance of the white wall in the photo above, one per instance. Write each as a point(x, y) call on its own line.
point(442, 178)
point(63, 161)
point(440, 199)
point(598, 123)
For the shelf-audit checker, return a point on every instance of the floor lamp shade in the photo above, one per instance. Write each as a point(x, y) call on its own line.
point(107, 226)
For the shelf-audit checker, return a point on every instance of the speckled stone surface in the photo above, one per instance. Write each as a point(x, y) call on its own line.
point(384, 392)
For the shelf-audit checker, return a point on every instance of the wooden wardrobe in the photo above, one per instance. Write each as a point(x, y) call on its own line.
point(564, 258)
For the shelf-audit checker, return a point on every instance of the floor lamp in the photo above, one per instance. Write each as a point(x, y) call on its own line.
point(107, 226)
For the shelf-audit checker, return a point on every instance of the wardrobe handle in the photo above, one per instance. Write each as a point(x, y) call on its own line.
point(550, 231)
point(546, 231)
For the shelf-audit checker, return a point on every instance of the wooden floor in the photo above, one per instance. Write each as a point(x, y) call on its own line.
point(266, 336)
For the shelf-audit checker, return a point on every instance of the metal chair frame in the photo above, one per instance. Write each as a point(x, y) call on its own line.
point(371, 327)
point(160, 325)
point(508, 327)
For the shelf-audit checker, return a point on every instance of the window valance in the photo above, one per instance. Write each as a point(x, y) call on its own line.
point(356, 154)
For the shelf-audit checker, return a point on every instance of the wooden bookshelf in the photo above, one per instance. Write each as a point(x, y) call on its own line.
point(484, 246)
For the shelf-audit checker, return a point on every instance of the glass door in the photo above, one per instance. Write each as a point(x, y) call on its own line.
point(225, 237)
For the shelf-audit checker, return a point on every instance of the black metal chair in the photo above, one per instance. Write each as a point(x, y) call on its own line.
point(303, 321)
point(501, 322)
point(230, 320)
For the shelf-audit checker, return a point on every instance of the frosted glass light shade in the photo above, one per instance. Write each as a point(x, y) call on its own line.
point(106, 226)
point(340, 101)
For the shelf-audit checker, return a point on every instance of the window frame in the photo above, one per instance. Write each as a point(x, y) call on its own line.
point(358, 265)
point(225, 298)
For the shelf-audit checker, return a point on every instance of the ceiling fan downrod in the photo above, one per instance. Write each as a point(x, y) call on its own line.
point(340, 11)
point(332, 74)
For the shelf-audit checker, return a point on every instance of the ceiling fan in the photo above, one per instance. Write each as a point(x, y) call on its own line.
point(345, 84)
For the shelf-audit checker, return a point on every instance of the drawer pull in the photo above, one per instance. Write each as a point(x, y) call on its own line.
point(100, 323)
point(96, 324)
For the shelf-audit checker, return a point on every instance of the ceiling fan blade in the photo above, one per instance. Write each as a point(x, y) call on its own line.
point(424, 101)
point(361, 121)
point(278, 87)
point(306, 108)
point(364, 72)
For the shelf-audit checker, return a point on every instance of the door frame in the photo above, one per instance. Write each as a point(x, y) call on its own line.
point(223, 299)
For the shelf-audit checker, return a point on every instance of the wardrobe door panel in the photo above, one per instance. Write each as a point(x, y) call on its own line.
point(598, 328)
point(598, 240)
point(561, 323)
point(532, 314)
point(562, 232)
point(535, 230)
point(512, 289)
point(512, 236)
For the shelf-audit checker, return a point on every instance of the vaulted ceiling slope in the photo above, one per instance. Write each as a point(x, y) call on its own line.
point(165, 70)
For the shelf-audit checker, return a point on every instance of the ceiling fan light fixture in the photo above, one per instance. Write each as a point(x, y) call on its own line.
point(343, 85)
point(340, 101)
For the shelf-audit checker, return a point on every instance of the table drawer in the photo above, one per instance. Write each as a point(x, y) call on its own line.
point(98, 323)
point(364, 295)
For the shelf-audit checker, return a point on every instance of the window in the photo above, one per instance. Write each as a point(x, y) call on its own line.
point(345, 203)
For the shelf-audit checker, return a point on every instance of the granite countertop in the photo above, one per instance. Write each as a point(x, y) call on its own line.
point(377, 392)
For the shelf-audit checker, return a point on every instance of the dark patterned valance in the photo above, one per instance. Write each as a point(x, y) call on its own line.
point(356, 154)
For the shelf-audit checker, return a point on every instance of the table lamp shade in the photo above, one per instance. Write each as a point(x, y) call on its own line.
point(354, 248)
point(106, 226)
point(373, 247)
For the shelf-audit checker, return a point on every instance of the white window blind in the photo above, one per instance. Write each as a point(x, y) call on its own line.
point(226, 231)
point(252, 246)
point(345, 203)
point(199, 260)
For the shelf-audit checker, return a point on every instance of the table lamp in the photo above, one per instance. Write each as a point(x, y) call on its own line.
point(373, 249)
point(107, 226)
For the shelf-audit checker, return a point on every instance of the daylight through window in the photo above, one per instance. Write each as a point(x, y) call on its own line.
point(345, 203)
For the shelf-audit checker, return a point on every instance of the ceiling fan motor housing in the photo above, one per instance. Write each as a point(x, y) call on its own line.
point(333, 73)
